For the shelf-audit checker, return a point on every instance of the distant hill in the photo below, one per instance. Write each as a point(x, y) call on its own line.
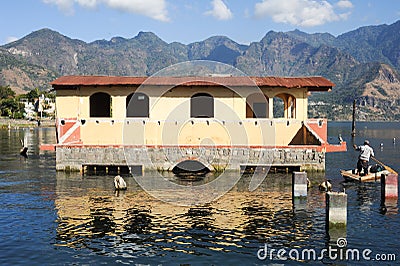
point(22, 75)
point(364, 63)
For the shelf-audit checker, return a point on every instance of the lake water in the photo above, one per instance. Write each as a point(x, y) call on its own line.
point(50, 218)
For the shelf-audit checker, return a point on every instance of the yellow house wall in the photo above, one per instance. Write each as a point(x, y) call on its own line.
point(175, 103)
point(67, 104)
point(104, 132)
point(170, 122)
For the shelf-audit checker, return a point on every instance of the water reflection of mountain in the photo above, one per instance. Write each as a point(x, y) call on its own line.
point(91, 216)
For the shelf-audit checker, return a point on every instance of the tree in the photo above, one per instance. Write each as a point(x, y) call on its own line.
point(33, 94)
point(6, 92)
point(9, 104)
point(8, 107)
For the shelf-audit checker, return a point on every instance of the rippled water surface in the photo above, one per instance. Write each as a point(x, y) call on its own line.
point(50, 218)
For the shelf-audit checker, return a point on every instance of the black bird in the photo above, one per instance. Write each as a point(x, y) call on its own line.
point(23, 151)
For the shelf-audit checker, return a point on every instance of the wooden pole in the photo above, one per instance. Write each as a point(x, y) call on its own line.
point(384, 166)
point(353, 126)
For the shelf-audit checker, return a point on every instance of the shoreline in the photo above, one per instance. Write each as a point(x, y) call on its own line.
point(6, 123)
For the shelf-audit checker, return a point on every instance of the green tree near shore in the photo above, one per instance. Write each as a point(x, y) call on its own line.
point(6, 92)
point(9, 103)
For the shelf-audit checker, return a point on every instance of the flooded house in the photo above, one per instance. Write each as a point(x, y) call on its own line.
point(125, 124)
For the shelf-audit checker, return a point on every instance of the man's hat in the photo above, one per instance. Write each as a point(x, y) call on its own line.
point(366, 142)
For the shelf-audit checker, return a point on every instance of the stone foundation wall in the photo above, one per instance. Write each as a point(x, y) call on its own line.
point(166, 158)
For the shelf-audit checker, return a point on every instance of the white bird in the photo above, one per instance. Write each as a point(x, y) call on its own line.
point(325, 186)
point(119, 183)
point(340, 138)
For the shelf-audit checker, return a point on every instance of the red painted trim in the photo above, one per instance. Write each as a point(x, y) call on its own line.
point(47, 147)
point(336, 148)
point(69, 123)
point(321, 131)
point(300, 147)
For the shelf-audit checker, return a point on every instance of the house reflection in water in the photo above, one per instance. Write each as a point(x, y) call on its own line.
point(133, 223)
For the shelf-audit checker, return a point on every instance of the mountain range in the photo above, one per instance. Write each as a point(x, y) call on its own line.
point(363, 63)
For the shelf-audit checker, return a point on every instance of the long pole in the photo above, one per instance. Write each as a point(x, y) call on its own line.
point(353, 125)
point(385, 166)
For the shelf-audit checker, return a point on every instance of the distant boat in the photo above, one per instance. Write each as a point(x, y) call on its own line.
point(374, 174)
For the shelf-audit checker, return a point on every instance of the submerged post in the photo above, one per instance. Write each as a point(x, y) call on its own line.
point(299, 184)
point(353, 125)
point(299, 191)
point(336, 215)
point(389, 193)
point(389, 187)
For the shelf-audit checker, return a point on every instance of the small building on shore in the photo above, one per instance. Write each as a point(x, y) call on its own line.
point(217, 123)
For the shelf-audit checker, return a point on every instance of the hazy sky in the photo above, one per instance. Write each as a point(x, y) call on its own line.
point(188, 21)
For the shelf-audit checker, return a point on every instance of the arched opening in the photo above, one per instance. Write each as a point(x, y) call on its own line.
point(100, 104)
point(137, 105)
point(202, 105)
point(190, 167)
point(279, 107)
point(257, 106)
point(284, 106)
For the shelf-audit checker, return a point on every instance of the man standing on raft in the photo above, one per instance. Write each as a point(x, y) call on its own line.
point(366, 152)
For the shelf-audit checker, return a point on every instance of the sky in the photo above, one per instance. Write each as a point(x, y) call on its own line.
point(184, 21)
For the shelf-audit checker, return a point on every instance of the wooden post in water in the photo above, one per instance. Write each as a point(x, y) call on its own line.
point(353, 125)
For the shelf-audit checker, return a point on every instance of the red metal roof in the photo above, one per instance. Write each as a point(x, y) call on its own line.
point(312, 83)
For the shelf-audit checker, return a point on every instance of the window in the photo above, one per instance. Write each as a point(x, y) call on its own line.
point(257, 106)
point(279, 106)
point(137, 105)
point(284, 106)
point(259, 110)
point(202, 105)
point(100, 105)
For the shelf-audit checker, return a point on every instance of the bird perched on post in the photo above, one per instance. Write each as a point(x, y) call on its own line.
point(325, 186)
point(119, 183)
